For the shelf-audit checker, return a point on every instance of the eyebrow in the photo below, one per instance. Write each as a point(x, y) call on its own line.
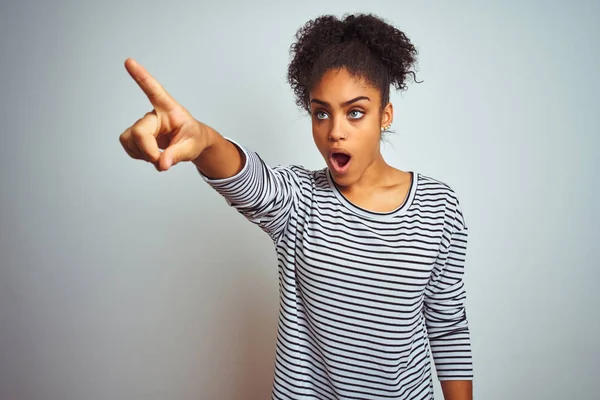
point(344, 104)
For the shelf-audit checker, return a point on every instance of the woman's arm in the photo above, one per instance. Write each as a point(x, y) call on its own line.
point(445, 311)
point(221, 158)
point(457, 390)
point(264, 195)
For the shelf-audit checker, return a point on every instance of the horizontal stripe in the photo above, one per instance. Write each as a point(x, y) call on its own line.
point(366, 298)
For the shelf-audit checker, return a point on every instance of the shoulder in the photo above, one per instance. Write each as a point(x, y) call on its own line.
point(316, 177)
point(433, 188)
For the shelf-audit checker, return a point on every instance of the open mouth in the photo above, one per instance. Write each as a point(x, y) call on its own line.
point(339, 161)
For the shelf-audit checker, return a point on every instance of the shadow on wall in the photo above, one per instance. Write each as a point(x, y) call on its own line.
point(257, 359)
point(244, 336)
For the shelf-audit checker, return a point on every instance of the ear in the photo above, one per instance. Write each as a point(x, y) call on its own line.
point(387, 116)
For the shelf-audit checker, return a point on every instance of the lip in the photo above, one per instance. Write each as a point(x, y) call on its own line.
point(333, 165)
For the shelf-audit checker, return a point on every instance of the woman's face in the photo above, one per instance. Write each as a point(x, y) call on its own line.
point(346, 123)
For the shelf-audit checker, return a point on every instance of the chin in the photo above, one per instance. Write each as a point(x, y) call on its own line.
point(343, 180)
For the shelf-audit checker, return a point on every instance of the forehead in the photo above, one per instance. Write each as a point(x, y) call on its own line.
point(337, 86)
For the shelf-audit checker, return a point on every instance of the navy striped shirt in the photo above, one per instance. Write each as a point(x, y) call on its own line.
point(366, 298)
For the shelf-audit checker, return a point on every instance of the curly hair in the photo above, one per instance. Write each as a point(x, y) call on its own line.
point(365, 45)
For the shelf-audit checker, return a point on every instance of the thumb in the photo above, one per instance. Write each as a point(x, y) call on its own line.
point(174, 154)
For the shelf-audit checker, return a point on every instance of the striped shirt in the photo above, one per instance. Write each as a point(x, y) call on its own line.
point(365, 297)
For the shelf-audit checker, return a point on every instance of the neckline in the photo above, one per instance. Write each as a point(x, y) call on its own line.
point(376, 215)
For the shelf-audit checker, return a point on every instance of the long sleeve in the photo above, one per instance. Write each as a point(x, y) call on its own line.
point(265, 196)
point(445, 312)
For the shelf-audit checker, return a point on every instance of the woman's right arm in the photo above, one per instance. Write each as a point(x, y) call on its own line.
point(170, 127)
point(220, 159)
point(262, 194)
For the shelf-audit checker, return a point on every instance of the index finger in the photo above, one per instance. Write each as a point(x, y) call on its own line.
point(157, 95)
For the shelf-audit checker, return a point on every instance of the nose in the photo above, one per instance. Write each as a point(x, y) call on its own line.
point(337, 131)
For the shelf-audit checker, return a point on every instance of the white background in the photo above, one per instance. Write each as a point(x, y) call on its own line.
point(117, 282)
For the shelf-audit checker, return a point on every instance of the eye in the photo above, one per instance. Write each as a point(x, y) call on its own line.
point(356, 114)
point(320, 115)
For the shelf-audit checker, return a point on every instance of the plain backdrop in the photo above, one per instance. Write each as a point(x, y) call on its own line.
point(117, 282)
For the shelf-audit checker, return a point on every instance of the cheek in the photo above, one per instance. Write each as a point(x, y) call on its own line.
point(320, 134)
point(369, 142)
point(369, 124)
point(368, 132)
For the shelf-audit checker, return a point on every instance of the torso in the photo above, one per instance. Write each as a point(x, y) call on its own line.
point(353, 280)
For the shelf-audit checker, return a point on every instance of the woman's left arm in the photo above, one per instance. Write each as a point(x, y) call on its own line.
point(457, 390)
point(445, 316)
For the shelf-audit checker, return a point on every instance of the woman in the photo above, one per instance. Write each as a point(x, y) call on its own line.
point(370, 258)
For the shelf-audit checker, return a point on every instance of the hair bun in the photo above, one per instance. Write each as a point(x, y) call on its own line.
point(363, 43)
point(387, 43)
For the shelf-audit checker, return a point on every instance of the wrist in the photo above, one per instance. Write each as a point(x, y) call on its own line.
point(209, 139)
